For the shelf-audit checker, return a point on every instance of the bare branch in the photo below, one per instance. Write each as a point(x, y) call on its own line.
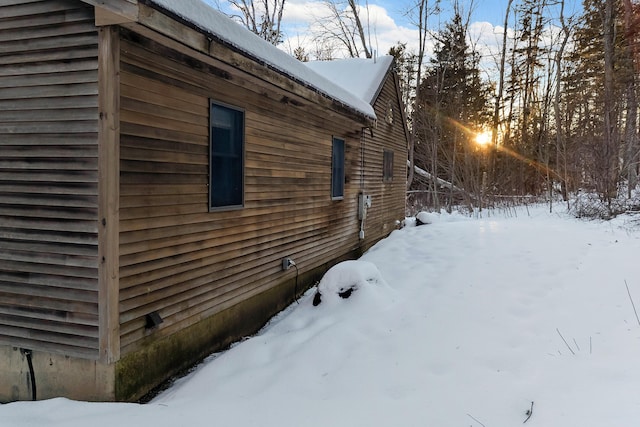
point(261, 17)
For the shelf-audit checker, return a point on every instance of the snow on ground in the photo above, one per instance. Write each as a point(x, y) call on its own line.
point(461, 322)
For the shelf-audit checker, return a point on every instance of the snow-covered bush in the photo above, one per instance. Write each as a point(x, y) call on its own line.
point(345, 278)
point(423, 217)
point(590, 205)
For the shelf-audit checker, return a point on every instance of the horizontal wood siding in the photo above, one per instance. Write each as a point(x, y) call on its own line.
point(48, 177)
point(388, 198)
point(178, 258)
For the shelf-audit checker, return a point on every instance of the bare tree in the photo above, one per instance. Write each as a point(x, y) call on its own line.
point(609, 154)
point(343, 26)
point(499, 99)
point(561, 145)
point(451, 106)
point(528, 95)
point(602, 89)
point(632, 57)
point(420, 15)
point(355, 10)
point(261, 17)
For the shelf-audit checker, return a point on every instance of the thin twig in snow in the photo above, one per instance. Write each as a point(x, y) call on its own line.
point(476, 420)
point(565, 342)
point(529, 413)
point(632, 304)
point(576, 343)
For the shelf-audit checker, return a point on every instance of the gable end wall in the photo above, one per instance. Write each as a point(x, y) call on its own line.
point(49, 201)
point(48, 178)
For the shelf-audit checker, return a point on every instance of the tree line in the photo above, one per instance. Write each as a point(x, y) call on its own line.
point(556, 115)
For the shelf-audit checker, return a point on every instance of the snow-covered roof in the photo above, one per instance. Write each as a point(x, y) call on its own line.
point(221, 27)
point(362, 77)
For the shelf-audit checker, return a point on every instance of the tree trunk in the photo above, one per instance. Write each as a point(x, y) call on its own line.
point(609, 160)
point(423, 11)
point(363, 38)
point(561, 144)
point(631, 124)
point(499, 94)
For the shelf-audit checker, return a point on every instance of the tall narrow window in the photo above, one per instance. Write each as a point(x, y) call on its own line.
point(387, 165)
point(226, 160)
point(337, 169)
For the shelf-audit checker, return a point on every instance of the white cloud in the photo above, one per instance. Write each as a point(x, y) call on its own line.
point(302, 12)
point(386, 32)
point(301, 27)
point(301, 23)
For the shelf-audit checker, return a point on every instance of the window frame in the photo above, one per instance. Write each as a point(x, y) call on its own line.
point(387, 165)
point(338, 168)
point(237, 110)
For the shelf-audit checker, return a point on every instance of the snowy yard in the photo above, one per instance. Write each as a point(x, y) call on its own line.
point(462, 322)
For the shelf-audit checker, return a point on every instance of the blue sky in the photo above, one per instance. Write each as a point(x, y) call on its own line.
point(390, 24)
point(492, 11)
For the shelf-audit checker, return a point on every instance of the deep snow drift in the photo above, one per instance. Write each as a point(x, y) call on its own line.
point(461, 322)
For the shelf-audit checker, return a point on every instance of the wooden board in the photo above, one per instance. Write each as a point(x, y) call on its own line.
point(48, 177)
point(388, 197)
point(178, 258)
point(109, 192)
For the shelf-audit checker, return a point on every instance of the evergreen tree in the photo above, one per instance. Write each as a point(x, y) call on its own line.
point(527, 124)
point(451, 107)
point(602, 87)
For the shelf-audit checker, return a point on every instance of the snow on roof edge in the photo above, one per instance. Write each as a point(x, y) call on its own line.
point(230, 33)
point(390, 61)
point(362, 77)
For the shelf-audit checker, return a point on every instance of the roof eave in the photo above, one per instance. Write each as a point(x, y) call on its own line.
point(367, 119)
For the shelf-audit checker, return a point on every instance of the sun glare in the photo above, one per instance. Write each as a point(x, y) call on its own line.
point(483, 138)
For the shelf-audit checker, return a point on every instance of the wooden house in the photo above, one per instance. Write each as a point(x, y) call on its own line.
point(157, 165)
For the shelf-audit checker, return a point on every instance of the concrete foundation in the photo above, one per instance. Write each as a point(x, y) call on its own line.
point(55, 376)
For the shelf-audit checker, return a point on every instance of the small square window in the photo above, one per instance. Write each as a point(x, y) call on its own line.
point(387, 166)
point(337, 169)
point(226, 157)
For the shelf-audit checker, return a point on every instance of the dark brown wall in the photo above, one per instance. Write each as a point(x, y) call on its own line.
point(388, 198)
point(48, 177)
point(208, 274)
point(176, 256)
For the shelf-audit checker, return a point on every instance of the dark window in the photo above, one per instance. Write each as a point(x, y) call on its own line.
point(387, 166)
point(226, 161)
point(337, 169)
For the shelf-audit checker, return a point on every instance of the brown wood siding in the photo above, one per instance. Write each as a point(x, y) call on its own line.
point(388, 198)
point(48, 177)
point(176, 256)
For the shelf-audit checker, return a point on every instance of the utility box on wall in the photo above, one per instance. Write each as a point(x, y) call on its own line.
point(364, 203)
